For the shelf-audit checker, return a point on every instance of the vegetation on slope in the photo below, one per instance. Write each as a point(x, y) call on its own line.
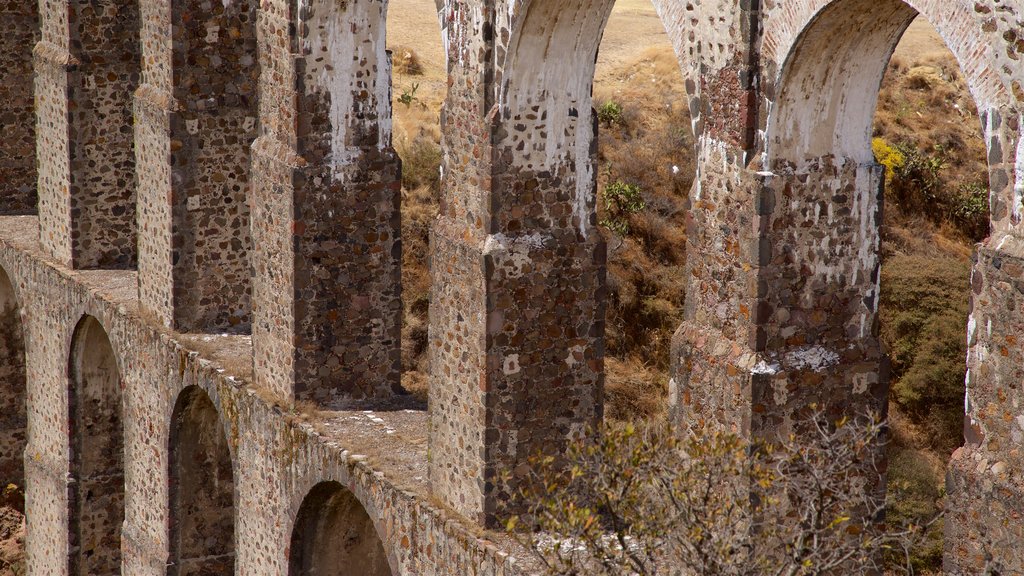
point(927, 133)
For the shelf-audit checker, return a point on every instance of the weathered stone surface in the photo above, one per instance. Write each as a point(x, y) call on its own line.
point(261, 178)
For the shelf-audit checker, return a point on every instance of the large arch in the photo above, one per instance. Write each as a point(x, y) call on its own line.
point(519, 289)
point(821, 201)
point(96, 492)
point(202, 490)
point(818, 113)
point(13, 393)
point(334, 536)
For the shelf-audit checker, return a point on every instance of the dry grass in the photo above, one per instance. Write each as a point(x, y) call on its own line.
point(405, 61)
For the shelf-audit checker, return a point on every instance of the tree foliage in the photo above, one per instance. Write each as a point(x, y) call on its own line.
point(649, 500)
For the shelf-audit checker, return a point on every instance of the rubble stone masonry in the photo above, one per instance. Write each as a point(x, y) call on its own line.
point(200, 315)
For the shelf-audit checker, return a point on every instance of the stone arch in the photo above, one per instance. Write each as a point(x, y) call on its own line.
point(18, 35)
point(334, 535)
point(821, 191)
point(96, 492)
point(13, 397)
point(818, 113)
point(546, 110)
point(955, 21)
point(215, 77)
point(202, 489)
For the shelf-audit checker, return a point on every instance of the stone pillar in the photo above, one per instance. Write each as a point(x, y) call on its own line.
point(326, 222)
point(19, 32)
point(87, 70)
point(985, 481)
point(195, 121)
point(517, 308)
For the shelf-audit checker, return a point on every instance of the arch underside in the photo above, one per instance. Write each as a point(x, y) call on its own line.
point(97, 454)
point(13, 409)
point(333, 535)
point(202, 490)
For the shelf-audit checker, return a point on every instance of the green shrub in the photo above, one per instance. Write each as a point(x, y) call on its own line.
point(917, 181)
point(924, 314)
point(408, 95)
point(610, 113)
point(620, 201)
point(913, 496)
point(970, 210)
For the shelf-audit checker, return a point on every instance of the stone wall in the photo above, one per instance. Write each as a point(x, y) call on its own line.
point(196, 118)
point(262, 181)
point(327, 289)
point(87, 168)
point(276, 456)
point(19, 32)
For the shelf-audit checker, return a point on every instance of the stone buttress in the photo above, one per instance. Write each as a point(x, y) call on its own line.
point(518, 264)
point(19, 32)
point(326, 225)
point(195, 119)
point(87, 69)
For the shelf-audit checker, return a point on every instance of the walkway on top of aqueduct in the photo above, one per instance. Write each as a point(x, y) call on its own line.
point(201, 270)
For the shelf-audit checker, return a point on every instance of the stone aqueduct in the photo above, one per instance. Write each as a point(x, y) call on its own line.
point(201, 245)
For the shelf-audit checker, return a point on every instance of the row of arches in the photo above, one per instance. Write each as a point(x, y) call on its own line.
point(332, 534)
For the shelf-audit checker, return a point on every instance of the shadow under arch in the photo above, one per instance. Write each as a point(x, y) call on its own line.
point(13, 397)
point(96, 489)
point(202, 490)
point(334, 536)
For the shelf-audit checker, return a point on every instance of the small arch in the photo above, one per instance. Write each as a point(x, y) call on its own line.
point(13, 408)
point(334, 536)
point(202, 522)
point(96, 489)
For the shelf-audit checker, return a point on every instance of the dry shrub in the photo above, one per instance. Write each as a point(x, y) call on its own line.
point(633, 391)
point(421, 163)
point(419, 208)
point(650, 146)
point(404, 60)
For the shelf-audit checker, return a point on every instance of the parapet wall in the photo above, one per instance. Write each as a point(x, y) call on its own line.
point(277, 455)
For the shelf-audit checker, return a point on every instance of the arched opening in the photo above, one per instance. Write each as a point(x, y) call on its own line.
point(419, 86)
point(863, 313)
point(521, 219)
point(105, 43)
point(202, 490)
point(215, 74)
point(19, 33)
point(645, 168)
point(927, 133)
point(13, 415)
point(644, 158)
point(334, 536)
point(96, 486)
